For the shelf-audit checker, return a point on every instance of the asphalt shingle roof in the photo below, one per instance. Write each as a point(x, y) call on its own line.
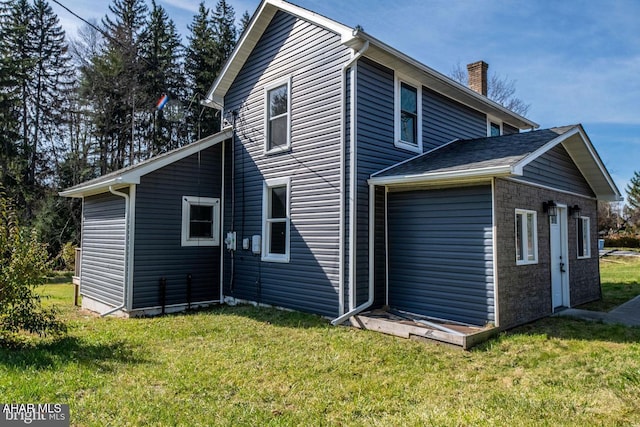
point(474, 154)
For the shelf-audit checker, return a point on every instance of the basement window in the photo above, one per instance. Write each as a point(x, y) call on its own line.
point(584, 237)
point(200, 221)
point(526, 237)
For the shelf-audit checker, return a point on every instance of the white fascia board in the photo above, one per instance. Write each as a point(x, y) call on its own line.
point(518, 168)
point(132, 174)
point(249, 38)
point(442, 176)
point(96, 188)
point(179, 154)
point(413, 158)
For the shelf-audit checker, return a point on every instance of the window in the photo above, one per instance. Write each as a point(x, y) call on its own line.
point(200, 221)
point(277, 122)
point(408, 120)
point(584, 237)
point(526, 237)
point(494, 129)
point(275, 220)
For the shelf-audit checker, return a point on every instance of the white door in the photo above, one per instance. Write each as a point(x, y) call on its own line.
point(559, 259)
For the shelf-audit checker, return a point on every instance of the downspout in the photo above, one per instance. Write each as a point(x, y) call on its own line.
point(221, 225)
point(345, 67)
point(126, 252)
point(372, 226)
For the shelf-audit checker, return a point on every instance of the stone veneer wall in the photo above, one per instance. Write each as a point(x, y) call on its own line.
point(524, 291)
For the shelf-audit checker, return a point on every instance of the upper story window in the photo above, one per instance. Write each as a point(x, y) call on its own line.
point(526, 237)
point(408, 116)
point(278, 116)
point(200, 221)
point(584, 237)
point(276, 220)
point(494, 127)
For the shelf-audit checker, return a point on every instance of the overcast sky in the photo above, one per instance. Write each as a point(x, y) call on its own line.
point(573, 61)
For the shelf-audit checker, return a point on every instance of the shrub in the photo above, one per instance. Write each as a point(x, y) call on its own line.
point(622, 241)
point(68, 256)
point(23, 266)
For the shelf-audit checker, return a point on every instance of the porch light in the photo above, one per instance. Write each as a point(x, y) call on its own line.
point(574, 211)
point(550, 208)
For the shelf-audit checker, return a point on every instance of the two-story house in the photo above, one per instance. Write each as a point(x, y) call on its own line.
point(350, 177)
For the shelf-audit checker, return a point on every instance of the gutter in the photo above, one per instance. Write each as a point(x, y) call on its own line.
point(126, 252)
point(341, 281)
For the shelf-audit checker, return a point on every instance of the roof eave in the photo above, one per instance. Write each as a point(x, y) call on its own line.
point(450, 176)
point(444, 84)
point(132, 174)
point(250, 37)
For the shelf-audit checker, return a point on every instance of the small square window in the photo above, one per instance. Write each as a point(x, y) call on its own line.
point(526, 237)
point(276, 220)
point(584, 237)
point(278, 117)
point(494, 127)
point(200, 221)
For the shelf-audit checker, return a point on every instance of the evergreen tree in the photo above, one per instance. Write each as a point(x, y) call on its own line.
point(244, 21)
point(633, 192)
point(200, 69)
point(115, 81)
point(9, 101)
point(163, 53)
point(224, 27)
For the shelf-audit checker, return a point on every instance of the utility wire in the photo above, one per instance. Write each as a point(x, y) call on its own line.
point(101, 31)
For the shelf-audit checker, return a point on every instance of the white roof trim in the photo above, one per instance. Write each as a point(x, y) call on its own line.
point(249, 38)
point(441, 176)
point(132, 174)
point(354, 39)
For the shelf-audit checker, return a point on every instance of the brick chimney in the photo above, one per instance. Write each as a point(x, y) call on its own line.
point(478, 76)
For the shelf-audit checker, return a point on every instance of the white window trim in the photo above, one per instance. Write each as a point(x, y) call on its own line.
point(214, 240)
point(286, 80)
point(266, 256)
point(417, 148)
point(587, 224)
point(525, 237)
point(492, 119)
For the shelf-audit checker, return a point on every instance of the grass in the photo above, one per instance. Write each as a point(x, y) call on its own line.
point(620, 277)
point(246, 366)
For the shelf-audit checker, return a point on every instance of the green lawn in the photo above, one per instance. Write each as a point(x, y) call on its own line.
point(247, 366)
point(620, 277)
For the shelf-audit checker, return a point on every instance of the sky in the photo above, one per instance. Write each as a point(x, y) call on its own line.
point(573, 61)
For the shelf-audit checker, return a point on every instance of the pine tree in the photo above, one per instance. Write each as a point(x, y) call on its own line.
point(200, 68)
point(244, 21)
point(163, 53)
point(633, 191)
point(224, 26)
point(116, 80)
point(9, 101)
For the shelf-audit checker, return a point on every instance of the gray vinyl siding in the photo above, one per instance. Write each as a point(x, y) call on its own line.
point(444, 120)
point(508, 129)
point(158, 249)
point(312, 58)
point(441, 253)
point(103, 248)
point(556, 169)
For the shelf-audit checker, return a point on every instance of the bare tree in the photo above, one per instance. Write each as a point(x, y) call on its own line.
point(500, 89)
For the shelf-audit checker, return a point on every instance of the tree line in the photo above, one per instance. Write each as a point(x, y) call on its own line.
point(72, 110)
